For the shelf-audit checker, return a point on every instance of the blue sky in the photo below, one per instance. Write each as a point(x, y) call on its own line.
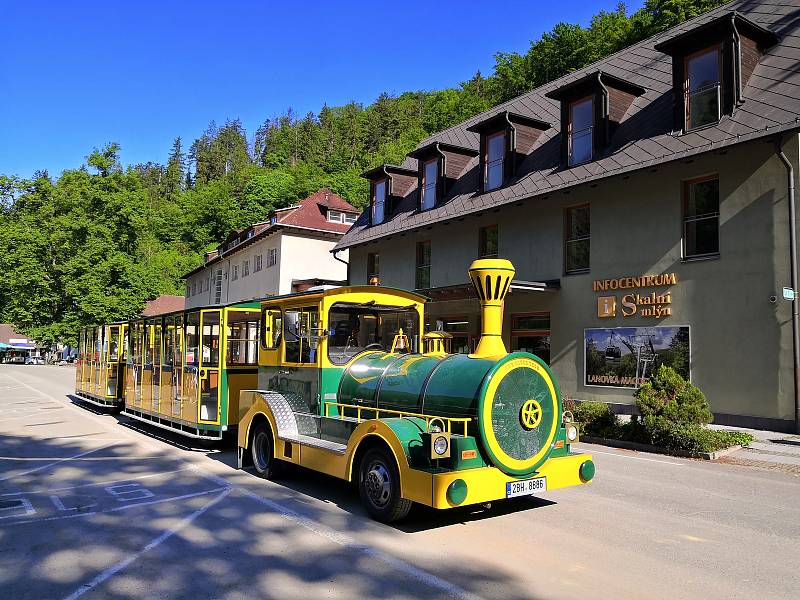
point(74, 76)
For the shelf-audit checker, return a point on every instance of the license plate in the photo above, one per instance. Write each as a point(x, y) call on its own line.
point(526, 487)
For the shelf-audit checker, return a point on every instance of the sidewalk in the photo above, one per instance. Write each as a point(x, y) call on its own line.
point(770, 450)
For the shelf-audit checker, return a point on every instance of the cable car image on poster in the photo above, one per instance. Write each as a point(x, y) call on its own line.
point(626, 357)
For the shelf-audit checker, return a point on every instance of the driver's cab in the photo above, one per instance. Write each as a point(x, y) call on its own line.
point(309, 339)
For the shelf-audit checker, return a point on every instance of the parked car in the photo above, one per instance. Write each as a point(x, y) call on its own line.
point(34, 360)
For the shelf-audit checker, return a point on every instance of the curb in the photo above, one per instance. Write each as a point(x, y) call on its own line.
point(657, 449)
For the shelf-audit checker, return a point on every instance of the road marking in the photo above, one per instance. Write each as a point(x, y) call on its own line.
point(665, 462)
point(111, 571)
point(78, 459)
point(119, 508)
point(52, 464)
point(111, 482)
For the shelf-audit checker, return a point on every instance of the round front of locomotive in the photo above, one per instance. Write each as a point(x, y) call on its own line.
point(519, 412)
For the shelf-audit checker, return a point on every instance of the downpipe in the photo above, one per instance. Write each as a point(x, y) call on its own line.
point(793, 266)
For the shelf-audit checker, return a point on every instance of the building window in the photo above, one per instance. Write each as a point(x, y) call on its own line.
point(579, 131)
point(430, 177)
point(194, 288)
point(273, 219)
point(235, 274)
point(530, 332)
point(487, 242)
point(246, 267)
point(701, 218)
point(576, 239)
point(335, 216)
point(350, 218)
point(495, 158)
point(258, 263)
point(459, 327)
point(423, 272)
point(702, 88)
point(272, 257)
point(218, 287)
point(379, 201)
point(373, 267)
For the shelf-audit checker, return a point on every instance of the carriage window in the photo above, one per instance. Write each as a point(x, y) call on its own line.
point(211, 339)
point(169, 342)
point(356, 328)
point(113, 346)
point(192, 339)
point(242, 341)
point(301, 333)
point(271, 325)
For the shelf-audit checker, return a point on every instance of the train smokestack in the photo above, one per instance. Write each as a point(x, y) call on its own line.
point(492, 279)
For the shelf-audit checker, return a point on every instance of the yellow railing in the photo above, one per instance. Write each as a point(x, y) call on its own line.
point(377, 412)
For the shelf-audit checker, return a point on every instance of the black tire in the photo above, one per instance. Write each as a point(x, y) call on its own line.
point(379, 487)
point(262, 451)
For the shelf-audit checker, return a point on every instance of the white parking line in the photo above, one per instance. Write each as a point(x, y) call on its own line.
point(665, 462)
point(111, 571)
point(73, 487)
point(55, 462)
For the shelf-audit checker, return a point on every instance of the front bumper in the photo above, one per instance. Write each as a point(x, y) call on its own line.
point(488, 484)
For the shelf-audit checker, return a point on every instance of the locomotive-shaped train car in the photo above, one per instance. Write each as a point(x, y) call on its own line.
point(349, 386)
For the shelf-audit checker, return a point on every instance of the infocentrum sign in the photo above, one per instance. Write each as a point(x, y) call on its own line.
point(655, 305)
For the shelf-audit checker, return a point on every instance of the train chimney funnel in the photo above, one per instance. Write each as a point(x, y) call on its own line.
point(492, 279)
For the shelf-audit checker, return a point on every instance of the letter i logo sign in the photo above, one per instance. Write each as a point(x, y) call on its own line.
point(606, 306)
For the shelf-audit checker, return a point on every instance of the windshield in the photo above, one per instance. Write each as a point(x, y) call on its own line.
point(354, 328)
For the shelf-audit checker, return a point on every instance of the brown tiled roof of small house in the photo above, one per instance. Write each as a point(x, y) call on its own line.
point(163, 305)
point(645, 136)
point(312, 212)
point(8, 333)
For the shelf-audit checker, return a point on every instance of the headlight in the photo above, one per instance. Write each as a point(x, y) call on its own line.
point(572, 433)
point(440, 445)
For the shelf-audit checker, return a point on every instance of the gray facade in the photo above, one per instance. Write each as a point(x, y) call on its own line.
point(740, 327)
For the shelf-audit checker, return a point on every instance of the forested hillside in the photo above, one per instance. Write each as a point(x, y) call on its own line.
point(92, 244)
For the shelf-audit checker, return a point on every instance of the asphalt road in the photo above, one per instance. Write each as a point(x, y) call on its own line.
point(97, 506)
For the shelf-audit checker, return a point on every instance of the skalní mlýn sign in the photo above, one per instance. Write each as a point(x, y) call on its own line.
point(645, 305)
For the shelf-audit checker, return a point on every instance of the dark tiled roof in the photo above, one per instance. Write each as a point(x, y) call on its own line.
point(645, 136)
point(163, 305)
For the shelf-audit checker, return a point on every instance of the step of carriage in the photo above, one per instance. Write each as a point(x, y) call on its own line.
point(315, 442)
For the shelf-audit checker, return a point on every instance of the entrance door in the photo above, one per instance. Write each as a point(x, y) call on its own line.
point(209, 366)
point(177, 368)
point(191, 368)
point(112, 361)
point(156, 381)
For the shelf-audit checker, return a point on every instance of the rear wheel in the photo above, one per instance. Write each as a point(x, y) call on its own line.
point(379, 487)
point(262, 449)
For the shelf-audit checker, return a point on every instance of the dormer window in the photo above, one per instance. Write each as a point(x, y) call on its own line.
point(592, 108)
point(581, 123)
point(506, 140)
point(711, 65)
point(388, 184)
point(379, 201)
point(430, 180)
point(702, 97)
point(494, 161)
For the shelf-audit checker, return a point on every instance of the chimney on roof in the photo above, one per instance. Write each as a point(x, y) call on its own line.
point(326, 196)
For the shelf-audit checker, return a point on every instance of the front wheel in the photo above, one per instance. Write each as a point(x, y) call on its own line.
point(379, 487)
point(262, 451)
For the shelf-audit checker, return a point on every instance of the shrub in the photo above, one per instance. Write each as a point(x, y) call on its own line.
point(597, 419)
point(694, 438)
point(668, 396)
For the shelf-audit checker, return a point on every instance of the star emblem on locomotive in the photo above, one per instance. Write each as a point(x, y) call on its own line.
point(531, 414)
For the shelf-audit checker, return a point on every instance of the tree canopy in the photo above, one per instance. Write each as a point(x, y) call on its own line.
point(93, 244)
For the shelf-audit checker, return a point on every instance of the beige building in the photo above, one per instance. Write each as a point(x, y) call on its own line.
point(290, 252)
point(645, 202)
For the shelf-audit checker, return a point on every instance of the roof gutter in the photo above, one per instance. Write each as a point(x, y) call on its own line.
point(737, 63)
point(793, 267)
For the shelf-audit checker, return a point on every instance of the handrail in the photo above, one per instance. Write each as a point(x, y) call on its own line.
point(400, 413)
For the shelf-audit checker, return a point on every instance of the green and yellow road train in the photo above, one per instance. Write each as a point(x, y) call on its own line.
point(345, 382)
